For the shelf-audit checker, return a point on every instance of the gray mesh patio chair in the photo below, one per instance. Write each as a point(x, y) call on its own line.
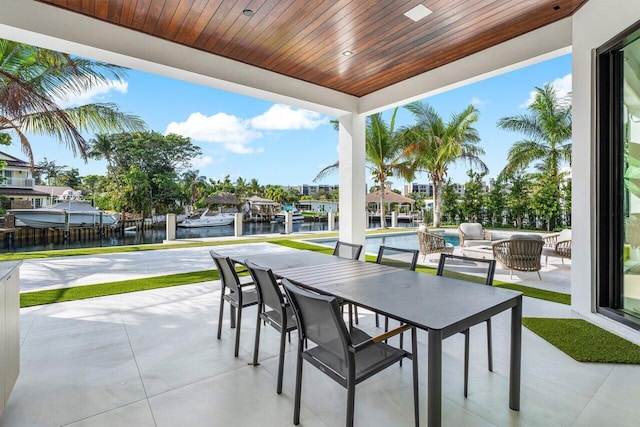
point(461, 270)
point(347, 357)
point(347, 250)
point(400, 258)
point(273, 310)
point(521, 252)
point(240, 295)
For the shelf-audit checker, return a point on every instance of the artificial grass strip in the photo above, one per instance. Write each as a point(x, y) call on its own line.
point(50, 296)
point(535, 292)
point(584, 341)
point(294, 244)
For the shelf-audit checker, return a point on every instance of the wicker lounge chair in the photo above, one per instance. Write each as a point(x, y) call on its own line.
point(557, 245)
point(473, 234)
point(431, 243)
point(521, 252)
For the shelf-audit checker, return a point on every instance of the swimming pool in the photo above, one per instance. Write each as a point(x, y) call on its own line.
point(400, 240)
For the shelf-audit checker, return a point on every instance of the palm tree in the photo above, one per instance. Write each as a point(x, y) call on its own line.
point(192, 184)
point(547, 130)
point(435, 145)
point(385, 154)
point(51, 170)
point(101, 147)
point(255, 187)
point(277, 194)
point(33, 84)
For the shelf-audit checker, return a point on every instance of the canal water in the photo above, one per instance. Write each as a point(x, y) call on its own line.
point(159, 234)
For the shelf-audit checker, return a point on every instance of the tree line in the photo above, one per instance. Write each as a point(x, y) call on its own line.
point(432, 145)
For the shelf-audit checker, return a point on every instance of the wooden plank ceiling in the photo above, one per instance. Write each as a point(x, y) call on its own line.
point(307, 39)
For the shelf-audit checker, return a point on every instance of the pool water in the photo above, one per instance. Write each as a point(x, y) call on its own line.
point(404, 240)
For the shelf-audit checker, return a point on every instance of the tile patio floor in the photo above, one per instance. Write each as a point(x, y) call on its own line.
point(152, 359)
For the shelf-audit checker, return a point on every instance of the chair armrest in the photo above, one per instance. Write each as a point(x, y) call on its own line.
point(563, 248)
point(487, 235)
point(379, 338)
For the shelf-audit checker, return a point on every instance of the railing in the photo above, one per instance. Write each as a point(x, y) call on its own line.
point(18, 182)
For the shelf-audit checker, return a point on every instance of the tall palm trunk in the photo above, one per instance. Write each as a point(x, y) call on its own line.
point(437, 201)
point(383, 219)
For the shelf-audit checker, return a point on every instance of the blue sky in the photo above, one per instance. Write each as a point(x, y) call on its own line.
point(251, 138)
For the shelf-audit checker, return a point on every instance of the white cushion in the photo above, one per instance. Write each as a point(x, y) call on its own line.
point(564, 235)
point(472, 230)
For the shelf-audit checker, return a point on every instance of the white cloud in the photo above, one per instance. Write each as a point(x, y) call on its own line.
point(234, 134)
point(203, 161)
point(94, 94)
point(477, 101)
point(562, 86)
point(231, 131)
point(283, 117)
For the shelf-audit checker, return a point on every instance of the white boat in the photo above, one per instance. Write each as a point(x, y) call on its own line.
point(208, 220)
point(296, 215)
point(80, 214)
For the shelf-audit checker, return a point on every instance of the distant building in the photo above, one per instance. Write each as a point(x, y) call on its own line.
point(311, 189)
point(18, 184)
point(414, 187)
point(320, 206)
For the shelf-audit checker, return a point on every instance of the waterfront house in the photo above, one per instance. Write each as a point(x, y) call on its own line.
point(18, 184)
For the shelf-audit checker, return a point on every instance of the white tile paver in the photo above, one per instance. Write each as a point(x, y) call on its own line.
point(152, 359)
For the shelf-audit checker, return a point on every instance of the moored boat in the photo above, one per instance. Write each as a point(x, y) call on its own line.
point(208, 220)
point(296, 215)
point(72, 213)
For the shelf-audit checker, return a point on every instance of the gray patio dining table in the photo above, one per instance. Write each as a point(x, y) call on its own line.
point(439, 305)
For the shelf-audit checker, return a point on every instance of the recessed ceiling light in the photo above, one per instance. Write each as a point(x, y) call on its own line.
point(248, 12)
point(418, 12)
point(347, 53)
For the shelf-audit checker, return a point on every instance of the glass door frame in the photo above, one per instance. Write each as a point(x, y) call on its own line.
point(609, 185)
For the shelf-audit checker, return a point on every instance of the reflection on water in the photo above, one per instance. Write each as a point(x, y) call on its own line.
point(159, 234)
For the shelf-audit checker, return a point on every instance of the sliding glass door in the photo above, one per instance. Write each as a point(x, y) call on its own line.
point(618, 178)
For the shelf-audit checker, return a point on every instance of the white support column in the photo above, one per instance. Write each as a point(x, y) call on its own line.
point(288, 222)
point(237, 224)
point(352, 178)
point(171, 226)
point(331, 221)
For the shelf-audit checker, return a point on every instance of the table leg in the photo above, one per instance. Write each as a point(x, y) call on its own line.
point(434, 380)
point(516, 356)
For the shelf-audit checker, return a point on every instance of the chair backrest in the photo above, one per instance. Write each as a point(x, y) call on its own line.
point(268, 290)
point(564, 235)
point(398, 257)
point(347, 250)
point(430, 242)
point(467, 268)
point(319, 320)
point(472, 230)
point(520, 252)
point(227, 271)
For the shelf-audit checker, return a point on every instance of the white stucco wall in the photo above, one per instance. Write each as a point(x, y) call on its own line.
point(597, 22)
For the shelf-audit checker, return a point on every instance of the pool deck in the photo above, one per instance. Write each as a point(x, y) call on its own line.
point(63, 272)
